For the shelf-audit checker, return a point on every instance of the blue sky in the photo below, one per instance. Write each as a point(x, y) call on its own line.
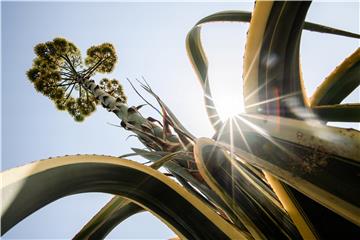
point(150, 42)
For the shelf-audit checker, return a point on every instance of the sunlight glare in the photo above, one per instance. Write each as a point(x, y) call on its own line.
point(228, 106)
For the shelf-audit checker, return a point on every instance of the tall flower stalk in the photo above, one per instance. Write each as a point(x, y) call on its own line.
point(59, 73)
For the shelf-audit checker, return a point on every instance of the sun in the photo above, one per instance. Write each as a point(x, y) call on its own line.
point(228, 106)
point(227, 89)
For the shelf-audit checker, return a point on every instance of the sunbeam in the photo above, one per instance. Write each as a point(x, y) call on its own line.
point(273, 99)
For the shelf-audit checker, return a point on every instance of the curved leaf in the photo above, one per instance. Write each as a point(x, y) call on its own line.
point(251, 198)
point(114, 212)
point(252, 88)
point(273, 85)
point(308, 134)
point(340, 83)
point(111, 215)
point(176, 169)
point(26, 189)
point(199, 61)
point(338, 112)
point(315, 170)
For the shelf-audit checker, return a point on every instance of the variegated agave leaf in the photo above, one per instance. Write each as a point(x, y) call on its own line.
point(114, 212)
point(251, 199)
point(180, 210)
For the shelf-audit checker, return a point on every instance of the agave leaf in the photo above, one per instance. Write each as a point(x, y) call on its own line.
point(163, 160)
point(199, 61)
point(285, 97)
point(200, 64)
point(252, 89)
point(309, 134)
point(338, 112)
point(28, 188)
point(183, 158)
point(150, 139)
point(260, 212)
point(176, 169)
point(325, 29)
point(340, 83)
point(241, 16)
point(276, 74)
point(254, 40)
point(293, 208)
point(177, 165)
point(114, 212)
point(320, 161)
point(157, 158)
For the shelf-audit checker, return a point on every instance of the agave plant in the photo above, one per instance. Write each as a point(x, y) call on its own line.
point(276, 171)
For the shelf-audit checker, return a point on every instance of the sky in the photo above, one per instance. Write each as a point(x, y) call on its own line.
point(150, 41)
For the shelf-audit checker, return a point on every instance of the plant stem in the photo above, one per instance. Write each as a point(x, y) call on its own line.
point(130, 117)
